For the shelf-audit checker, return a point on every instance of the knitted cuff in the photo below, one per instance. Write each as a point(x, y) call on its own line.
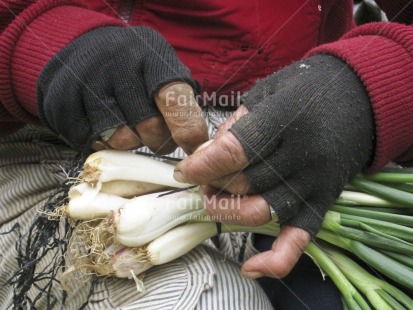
point(381, 55)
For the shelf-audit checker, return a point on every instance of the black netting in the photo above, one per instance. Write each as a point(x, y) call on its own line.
point(43, 237)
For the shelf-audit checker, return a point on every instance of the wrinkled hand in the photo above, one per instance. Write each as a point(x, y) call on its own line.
point(180, 124)
point(305, 131)
point(128, 79)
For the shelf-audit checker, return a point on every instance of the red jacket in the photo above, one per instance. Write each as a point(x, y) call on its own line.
point(227, 45)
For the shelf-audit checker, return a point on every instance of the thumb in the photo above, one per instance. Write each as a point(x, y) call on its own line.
point(280, 260)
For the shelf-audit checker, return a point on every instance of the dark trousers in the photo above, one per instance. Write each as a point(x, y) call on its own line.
point(303, 288)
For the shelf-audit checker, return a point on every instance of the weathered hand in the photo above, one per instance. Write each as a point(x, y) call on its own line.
point(126, 78)
point(180, 124)
point(307, 131)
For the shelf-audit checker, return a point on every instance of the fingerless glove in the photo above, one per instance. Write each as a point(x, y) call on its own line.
point(309, 130)
point(104, 79)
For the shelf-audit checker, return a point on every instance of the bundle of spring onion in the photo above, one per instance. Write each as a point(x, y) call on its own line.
point(371, 222)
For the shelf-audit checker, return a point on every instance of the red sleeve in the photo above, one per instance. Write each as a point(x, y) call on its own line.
point(382, 56)
point(31, 33)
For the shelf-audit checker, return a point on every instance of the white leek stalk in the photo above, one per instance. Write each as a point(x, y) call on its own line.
point(357, 198)
point(173, 244)
point(182, 239)
point(110, 165)
point(178, 241)
point(146, 217)
point(86, 202)
point(127, 188)
point(127, 262)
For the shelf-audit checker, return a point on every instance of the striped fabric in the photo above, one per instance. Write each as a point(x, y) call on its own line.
point(205, 278)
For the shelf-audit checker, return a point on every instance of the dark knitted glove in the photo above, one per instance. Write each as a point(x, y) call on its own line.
point(104, 79)
point(309, 130)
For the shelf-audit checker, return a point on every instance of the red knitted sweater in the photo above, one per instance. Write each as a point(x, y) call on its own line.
point(227, 46)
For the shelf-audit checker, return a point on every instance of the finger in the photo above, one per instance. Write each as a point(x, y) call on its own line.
point(236, 183)
point(154, 133)
point(222, 157)
point(241, 111)
point(280, 260)
point(124, 138)
point(235, 209)
point(182, 115)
